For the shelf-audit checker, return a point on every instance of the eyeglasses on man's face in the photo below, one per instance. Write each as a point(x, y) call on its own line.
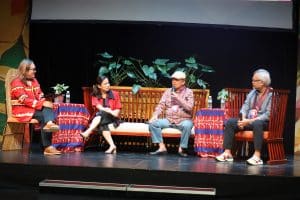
point(255, 80)
point(32, 69)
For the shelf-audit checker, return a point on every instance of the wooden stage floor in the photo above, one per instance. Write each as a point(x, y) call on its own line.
point(237, 180)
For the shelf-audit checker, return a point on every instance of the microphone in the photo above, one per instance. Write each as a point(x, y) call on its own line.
point(174, 102)
point(173, 89)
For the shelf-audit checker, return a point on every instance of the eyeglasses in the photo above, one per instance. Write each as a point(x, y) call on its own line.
point(253, 80)
point(32, 69)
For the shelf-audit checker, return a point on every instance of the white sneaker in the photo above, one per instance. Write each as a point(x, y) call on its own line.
point(224, 157)
point(255, 161)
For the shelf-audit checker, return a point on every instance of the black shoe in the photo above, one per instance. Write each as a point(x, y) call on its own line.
point(158, 152)
point(182, 154)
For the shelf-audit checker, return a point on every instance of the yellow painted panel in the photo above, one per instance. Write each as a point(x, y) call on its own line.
point(3, 72)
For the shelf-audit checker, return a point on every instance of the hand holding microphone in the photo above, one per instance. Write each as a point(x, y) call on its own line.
point(174, 97)
point(173, 89)
point(173, 93)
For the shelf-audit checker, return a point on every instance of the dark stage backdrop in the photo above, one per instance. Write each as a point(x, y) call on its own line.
point(65, 52)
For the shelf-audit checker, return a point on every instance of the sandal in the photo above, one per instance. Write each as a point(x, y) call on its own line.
point(224, 157)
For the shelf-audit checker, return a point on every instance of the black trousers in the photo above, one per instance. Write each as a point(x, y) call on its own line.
point(43, 116)
point(257, 127)
point(106, 119)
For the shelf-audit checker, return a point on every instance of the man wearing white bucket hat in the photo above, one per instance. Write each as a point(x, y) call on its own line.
point(177, 102)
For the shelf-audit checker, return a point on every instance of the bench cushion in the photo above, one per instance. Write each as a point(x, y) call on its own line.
point(140, 129)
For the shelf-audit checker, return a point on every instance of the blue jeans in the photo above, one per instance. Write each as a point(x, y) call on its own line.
point(185, 127)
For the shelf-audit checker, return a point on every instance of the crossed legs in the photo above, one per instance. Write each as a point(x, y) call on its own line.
point(95, 122)
point(106, 134)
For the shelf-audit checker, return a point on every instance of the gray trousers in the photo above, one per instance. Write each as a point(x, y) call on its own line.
point(231, 127)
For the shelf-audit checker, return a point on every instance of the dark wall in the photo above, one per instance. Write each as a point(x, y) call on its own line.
point(65, 52)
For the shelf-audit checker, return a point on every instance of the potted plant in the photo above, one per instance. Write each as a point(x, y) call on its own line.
point(118, 69)
point(222, 96)
point(59, 90)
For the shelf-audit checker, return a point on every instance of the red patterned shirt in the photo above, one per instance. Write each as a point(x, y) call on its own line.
point(30, 98)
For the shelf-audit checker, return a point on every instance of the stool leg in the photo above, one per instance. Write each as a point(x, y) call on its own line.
point(27, 133)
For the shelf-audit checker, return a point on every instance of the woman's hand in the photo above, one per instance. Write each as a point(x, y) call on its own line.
point(108, 110)
point(105, 109)
point(99, 107)
point(114, 113)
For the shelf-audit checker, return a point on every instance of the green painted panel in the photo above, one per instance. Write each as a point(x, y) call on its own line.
point(13, 56)
point(2, 124)
point(2, 92)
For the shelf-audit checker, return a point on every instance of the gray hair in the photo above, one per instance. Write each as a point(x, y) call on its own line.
point(24, 66)
point(264, 76)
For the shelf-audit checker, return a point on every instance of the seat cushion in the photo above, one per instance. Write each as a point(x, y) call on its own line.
point(141, 129)
point(248, 135)
point(130, 128)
